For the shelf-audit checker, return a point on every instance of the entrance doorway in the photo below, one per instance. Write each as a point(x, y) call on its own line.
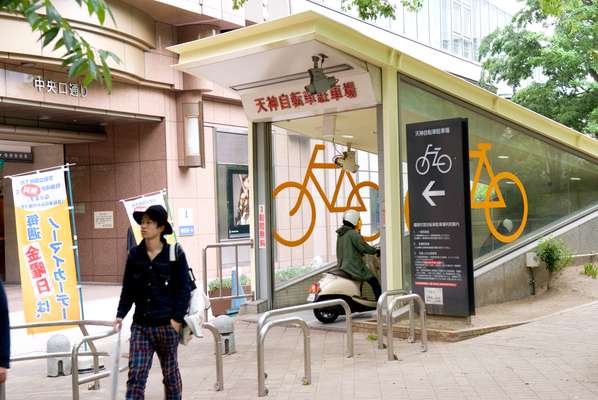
point(322, 166)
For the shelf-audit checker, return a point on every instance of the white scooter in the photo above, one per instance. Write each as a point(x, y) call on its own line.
point(337, 284)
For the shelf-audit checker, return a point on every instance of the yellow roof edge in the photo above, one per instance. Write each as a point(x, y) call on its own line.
point(312, 24)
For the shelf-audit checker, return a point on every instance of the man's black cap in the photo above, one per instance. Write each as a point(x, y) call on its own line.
point(155, 213)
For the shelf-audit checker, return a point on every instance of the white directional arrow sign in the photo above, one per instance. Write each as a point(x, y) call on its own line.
point(428, 193)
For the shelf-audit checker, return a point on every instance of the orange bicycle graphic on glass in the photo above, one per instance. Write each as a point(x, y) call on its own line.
point(304, 193)
point(488, 203)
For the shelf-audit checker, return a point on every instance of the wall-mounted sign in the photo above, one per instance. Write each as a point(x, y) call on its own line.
point(71, 89)
point(103, 219)
point(439, 212)
point(186, 227)
point(290, 99)
point(16, 156)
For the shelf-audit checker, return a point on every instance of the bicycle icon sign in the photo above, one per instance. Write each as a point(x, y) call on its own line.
point(442, 162)
point(493, 196)
point(331, 205)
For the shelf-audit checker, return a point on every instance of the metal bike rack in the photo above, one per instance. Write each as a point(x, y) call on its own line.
point(293, 321)
point(219, 385)
point(74, 353)
point(263, 325)
point(422, 313)
point(380, 319)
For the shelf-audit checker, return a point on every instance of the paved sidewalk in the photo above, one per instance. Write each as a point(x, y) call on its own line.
point(553, 358)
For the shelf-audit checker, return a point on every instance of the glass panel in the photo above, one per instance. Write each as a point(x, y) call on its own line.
point(434, 12)
point(484, 24)
point(456, 17)
point(310, 232)
point(457, 45)
point(231, 148)
point(423, 24)
point(466, 25)
point(518, 172)
point(493, 18)
point(445, 9)
point(410, 24)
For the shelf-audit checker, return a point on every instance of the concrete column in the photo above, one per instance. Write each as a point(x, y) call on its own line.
point(391, 212)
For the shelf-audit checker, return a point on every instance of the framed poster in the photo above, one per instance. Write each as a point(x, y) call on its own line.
point(237, 185)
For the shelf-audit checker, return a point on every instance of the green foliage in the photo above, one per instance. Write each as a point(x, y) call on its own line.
point(567, 58)
point(227, 283)
point(366, 9)
point(554, 254)
point(80, 58)
point(290, 273)
point(590, 270)
point(372, 338)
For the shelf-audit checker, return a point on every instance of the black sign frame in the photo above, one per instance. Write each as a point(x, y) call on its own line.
point(440, 216)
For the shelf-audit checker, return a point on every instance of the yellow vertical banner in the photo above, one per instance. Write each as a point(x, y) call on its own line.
point(45, 247)
point(141, 203)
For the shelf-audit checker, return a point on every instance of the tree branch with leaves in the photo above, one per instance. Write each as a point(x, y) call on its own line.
point(81, 59)
point(564, 52)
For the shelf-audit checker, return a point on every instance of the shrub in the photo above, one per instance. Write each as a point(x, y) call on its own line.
point(555, 255)
point(227, 283)
point(289, 273)
point(590, 270)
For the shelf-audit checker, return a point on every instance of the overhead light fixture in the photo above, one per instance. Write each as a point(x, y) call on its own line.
point(318, 81)
point(574, 178)
point(346, 161)
point(348, 136)
point(503, 157)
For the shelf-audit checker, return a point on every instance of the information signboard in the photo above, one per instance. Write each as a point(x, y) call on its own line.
point(439, 216)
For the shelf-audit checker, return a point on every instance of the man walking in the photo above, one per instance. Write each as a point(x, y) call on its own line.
point(160, 290)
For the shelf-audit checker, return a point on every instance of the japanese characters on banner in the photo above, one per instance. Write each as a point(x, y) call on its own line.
point(262, 226)
point(45, 248)
point(141, 203)
point(291, 100)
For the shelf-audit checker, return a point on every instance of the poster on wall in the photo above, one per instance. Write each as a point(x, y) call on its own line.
point(440, 218)
point(141, 203)
point(237, 183)
point(45, 248)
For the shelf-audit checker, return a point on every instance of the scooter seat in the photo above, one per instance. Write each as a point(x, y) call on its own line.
point(341, 273)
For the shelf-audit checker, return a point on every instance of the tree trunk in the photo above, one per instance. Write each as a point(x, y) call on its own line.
point(549, 279)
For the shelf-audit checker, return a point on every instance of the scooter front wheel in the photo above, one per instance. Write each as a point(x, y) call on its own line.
point(326, 315)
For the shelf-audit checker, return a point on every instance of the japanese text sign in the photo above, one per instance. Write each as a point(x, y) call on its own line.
point(439, 213)
point(46, 257)
point(141, 203)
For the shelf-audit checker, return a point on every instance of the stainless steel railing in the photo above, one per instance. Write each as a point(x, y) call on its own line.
point(411, 298)
point(379, 317)
point(74, 353)
point(263, 325)
point(236, 244)
point(219, 385)
point(293, 321)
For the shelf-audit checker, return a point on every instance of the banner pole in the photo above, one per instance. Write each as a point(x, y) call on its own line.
point(75, 240)
point(165, 195)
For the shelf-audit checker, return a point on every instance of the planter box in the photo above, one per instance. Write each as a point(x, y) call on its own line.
point(221, 306)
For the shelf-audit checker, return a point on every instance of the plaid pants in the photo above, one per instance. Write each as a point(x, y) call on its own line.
point(144, 342)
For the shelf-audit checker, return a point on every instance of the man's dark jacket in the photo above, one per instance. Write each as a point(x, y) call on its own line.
point(160, 289)
point(4, 330)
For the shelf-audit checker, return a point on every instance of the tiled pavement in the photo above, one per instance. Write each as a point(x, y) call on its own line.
point(553, 358)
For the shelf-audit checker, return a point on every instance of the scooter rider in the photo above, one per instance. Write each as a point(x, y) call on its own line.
point(350, 248)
